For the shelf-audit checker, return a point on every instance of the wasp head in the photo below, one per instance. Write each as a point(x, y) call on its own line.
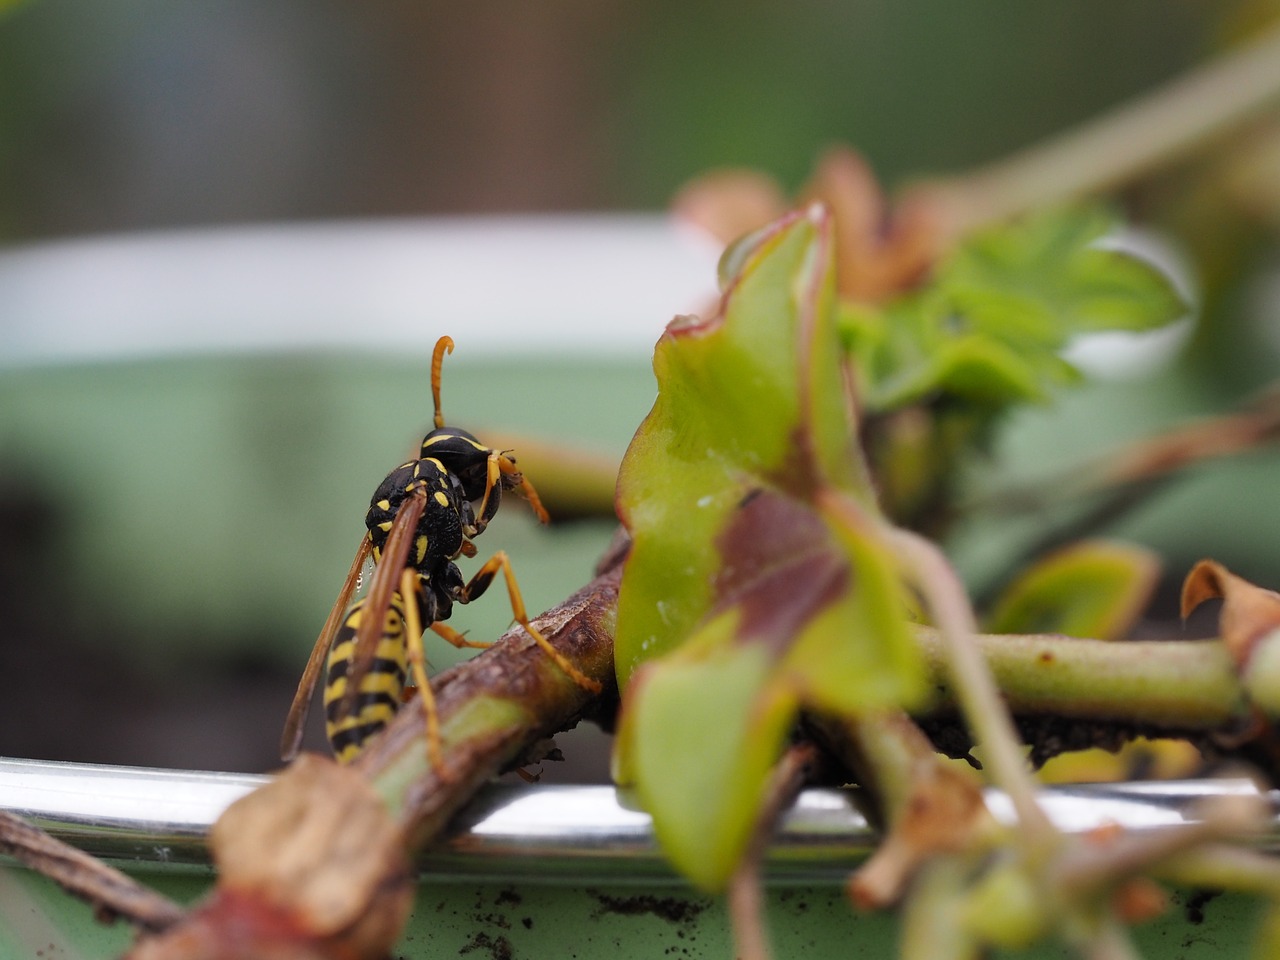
point(463, 456)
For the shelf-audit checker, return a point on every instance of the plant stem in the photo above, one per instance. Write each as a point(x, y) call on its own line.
point(746, 902)
point(110, 892)
point(882, 751)
point(1175, 684)
point(1220, 866)
point(313, 864)
point(493, 709)
point(1118, 147)
point(974, 686)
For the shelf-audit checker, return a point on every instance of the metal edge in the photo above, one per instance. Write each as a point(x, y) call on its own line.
point(157, 819)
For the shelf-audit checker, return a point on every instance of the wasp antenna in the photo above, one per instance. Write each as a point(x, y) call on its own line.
point(443, 345)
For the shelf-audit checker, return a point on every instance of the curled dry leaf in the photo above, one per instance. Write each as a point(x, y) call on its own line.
point(1249, 613)
point(730, 203)
point(880, 251)
point(1250, 628)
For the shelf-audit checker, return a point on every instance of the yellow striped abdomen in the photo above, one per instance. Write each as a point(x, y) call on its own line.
point(380, 690)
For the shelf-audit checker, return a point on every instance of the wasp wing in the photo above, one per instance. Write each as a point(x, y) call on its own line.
point(383, 586)
point(291, 740)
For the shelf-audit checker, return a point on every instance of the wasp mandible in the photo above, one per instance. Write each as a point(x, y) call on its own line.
point(422, 517)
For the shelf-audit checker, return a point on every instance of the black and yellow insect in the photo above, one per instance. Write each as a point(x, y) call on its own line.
point(421, 518)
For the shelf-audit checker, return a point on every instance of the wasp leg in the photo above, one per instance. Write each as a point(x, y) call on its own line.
point(418, 667)
point(458, 639)
point(492, 491)
point(478, 584)
point(500, 465)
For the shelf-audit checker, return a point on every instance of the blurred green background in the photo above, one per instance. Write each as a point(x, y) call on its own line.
point(172, 529)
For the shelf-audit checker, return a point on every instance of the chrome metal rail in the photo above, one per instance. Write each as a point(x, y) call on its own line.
point(531, 833)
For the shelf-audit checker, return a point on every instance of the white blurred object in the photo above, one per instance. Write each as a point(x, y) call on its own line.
point(1122, 354)
point(586, 284)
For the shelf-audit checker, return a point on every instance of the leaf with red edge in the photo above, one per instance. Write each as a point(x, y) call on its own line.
point(743, 598)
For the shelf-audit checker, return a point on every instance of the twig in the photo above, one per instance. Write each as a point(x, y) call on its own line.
point(110, 892)
point(1175, 684)
point(975, 688)
point(1130, 476)
point(494, 708)
point(746, 904)
point(1118, 147)
point(314, 864)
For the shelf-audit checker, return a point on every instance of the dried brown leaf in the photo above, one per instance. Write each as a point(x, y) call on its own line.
point(879, 252)
point(1249, 612)
point(729, 203)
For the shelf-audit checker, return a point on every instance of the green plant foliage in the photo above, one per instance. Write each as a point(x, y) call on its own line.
point(744, 596)
point(989, 325)
point(758, 581)
point(1090, 589)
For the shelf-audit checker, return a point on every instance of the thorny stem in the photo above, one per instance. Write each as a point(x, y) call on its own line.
point(1099, 155)
point(975, 688)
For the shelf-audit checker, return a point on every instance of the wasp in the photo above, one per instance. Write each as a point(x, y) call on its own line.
point(422, 517)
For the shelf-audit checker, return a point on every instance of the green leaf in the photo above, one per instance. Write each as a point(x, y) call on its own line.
point(701, 750)
point(745, 595)
point(753, 397)
point(1090, 589)
point(1054, 264)
point(990, 324)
